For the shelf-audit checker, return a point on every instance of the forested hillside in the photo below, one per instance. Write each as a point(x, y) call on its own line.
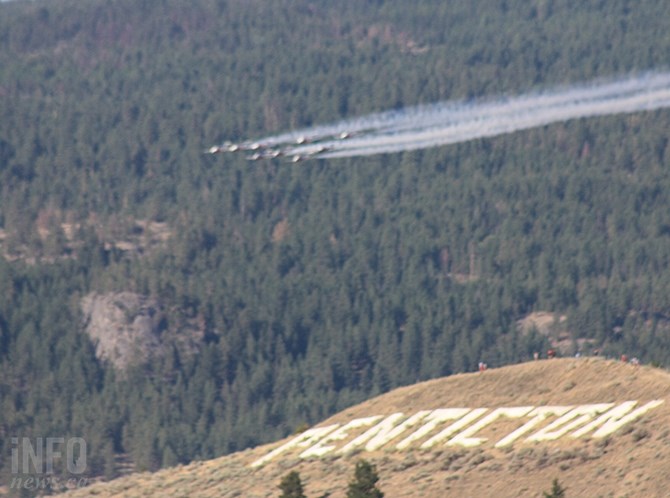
point(319, 284)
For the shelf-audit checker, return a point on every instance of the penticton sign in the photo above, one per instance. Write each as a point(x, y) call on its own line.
point(460, 427)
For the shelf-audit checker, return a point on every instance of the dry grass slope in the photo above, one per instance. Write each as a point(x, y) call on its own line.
point(632, 462)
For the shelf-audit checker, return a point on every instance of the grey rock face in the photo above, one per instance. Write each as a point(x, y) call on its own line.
point(129, 329)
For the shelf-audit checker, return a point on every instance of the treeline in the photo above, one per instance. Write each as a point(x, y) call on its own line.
point(323, 283)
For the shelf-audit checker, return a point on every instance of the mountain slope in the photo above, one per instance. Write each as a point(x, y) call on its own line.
point(320, 284)
point(631, 461)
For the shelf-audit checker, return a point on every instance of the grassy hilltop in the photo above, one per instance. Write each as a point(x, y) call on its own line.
point(629, 462)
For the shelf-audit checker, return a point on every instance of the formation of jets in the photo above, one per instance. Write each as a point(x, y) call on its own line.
point(261, 151)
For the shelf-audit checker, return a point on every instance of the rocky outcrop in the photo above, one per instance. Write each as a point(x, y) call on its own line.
point(130, 329)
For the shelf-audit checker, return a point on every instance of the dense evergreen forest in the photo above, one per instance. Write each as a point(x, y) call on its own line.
point(318, 284)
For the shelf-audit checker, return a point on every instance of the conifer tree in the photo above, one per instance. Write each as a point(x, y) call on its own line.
point(365, 480)
point(291, 486)
point(557, 491)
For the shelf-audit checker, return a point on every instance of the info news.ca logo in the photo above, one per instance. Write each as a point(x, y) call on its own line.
point(51, 463)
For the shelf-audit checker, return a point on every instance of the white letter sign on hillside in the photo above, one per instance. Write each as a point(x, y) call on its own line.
point(460, 426)
point(539, 414)
point(455, 427)
point(342, 433)
point(437, 417)
point(306, 439)
point(616, 418)
point(465, 438)
point(383, 432)
point(576, 417)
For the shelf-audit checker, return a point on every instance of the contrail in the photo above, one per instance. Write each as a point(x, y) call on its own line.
point(452, 122)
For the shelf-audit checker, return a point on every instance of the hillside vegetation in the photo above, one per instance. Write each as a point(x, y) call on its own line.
point(314, 286)
point(629, 462)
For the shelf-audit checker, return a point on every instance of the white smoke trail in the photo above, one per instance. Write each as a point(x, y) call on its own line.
point(458, 121)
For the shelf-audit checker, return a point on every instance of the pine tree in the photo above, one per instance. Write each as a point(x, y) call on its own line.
point(557, 491)
point(364, 483)
point(291, 486)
